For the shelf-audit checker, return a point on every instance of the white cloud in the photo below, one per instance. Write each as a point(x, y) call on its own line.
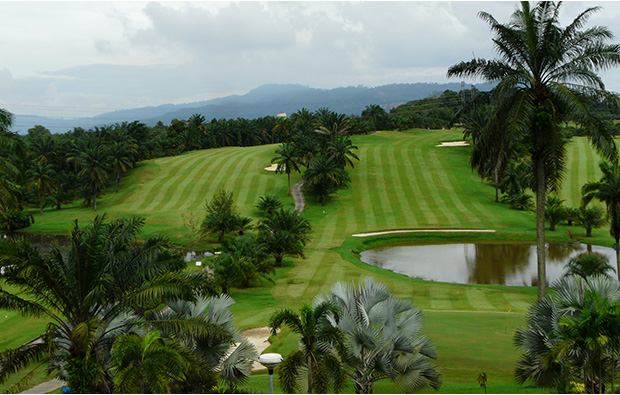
point(98, 56)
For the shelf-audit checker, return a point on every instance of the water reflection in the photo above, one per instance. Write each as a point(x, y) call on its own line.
point(504, 264)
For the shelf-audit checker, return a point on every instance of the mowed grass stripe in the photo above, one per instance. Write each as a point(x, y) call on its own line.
point(477, 299)
point(219, 171)
point(460, 215)
point(364, 184)
point(153, 191)
point(381, 204)
point(427, 188)
point(403, 210)
point(424, 216)
point(188, 184)
point(416, 214)
point(572, 195)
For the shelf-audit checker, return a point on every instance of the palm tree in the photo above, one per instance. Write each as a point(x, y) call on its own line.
point(42, 180)
point(376, 115)
point(269, 204)
point(590, 218)
point(325, 177)
point(572, 335)
point(340, 150)
point(382, 337)
point(284, 233)
point(317, 342)
point(588, 264)
point(145, 365)
point(607, 190)
point(94, 162)
point(332, 124)
point(9, 173)
point(554, 211)
point(91, 293)
point(224, 351)
point(287, 161)
point(544, 71)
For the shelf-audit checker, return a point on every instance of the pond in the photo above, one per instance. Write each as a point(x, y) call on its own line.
point(479, 263)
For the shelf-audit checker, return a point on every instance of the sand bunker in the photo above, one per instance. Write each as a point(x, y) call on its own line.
point(453, 144)
point(259, 337)
point(387, 232)
point(272, 167)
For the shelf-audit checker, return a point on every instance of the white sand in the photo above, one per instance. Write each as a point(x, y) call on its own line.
point(259, 337)
point(453, 144)
point(387, 232)
point(272, 167)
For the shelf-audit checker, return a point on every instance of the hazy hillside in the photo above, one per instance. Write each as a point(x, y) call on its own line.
point(264, 100)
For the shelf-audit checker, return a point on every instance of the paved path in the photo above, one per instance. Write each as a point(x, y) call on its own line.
point(46, 387)
point(298, 197)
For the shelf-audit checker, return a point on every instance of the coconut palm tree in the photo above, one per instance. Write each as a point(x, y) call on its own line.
point(607, 190)
point(316, 353)
point(90, 293)
point(376, 115)
point(572, 335)
point(382, 337)
point(269, 204)
point(545, 70)
point(287, 161)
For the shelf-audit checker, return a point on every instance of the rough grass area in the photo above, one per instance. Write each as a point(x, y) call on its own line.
point(403, 181)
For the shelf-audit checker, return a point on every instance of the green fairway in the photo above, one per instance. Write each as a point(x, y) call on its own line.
point(402, 181)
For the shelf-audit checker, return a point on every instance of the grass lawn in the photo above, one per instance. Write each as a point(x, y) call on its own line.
point(402, 181)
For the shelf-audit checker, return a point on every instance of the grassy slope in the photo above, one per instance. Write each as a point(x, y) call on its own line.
point(402, 181)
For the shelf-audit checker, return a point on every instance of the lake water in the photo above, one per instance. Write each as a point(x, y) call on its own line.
point(480, 263)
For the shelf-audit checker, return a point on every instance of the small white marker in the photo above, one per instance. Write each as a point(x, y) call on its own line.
point(198, 263)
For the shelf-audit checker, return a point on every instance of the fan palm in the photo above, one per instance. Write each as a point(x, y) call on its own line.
point(607, 190)
point(104, 276)
point(317, 342)
point(287, 161)
point(225, 352)
point(545, 71)
point(382, 337)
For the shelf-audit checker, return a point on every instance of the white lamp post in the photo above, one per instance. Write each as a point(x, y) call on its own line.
point(270, 361)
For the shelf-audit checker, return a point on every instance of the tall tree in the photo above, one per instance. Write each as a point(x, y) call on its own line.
point(287, 161)
point(284, 233)
point(607, 190)
point(324, 177)
point(341, 151)
point(94, 163)
point(545, 70)
point(42, 180)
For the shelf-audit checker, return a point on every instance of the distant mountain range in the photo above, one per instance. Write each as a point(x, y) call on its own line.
point(265, 100)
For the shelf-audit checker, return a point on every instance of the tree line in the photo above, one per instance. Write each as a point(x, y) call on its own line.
point(42, 170)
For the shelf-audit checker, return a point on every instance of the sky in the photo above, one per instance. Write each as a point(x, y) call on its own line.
point(79, 59)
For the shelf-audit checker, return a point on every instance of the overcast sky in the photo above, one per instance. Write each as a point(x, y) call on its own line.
point(76, 59)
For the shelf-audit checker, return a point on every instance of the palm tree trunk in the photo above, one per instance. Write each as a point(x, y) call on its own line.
point(496, 180)
point(289, 183)
point(310, 374)
point(540, 227)
point(618, 257)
